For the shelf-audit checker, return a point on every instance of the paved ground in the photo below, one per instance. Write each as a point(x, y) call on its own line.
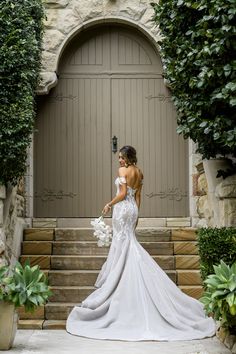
point(60, 342)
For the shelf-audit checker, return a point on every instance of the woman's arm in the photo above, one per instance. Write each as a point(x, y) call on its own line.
point(138, 196)
point(122, 192)
point(138, 192)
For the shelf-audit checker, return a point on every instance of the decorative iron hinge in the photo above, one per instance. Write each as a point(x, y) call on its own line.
point(172, 193)
point(161, 97)
point(50, 195)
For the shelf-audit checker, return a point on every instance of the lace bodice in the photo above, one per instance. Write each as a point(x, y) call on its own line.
point(120, 180)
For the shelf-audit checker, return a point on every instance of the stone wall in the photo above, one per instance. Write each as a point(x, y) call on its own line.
point(224, 200)
point(12, 223)
point(204, 213)
point(226, 193)
point(2, 234)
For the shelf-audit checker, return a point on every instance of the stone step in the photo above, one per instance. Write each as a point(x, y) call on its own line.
point(70, 293)
point(85, 222)
point(96, 262)
point(41, 324)
point(67, 262)
point(189, 277)
point(83, 277)
point(91, 248)
point(186, 262)
point(194, 291)
point(186, 234)
point(185, 247)
point(43, 261)
point(61, 310)
point(86, 234)
point(72, 277)
point(54, 324)
point(30, 324)
point(37, 247)
point(79, 293)
point(37, 234)
point(58, 310)
point(38, 313)
point(86, 248)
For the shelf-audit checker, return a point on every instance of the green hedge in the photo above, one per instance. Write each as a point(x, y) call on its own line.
point(20, 52)
point(216, 244)
point(198, 46)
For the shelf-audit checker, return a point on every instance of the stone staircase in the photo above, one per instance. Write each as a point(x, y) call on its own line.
point(72, 260)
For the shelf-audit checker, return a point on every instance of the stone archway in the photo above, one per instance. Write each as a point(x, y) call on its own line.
point(53, 54)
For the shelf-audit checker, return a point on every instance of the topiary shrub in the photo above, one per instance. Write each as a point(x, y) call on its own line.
point(198, 50)
point(20, 51)
point(216, 244)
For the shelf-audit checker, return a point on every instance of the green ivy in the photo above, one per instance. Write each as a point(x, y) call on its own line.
point(198, 49)
point(216, 244)
point(20, 53)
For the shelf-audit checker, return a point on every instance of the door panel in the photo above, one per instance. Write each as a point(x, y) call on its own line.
point(72, 149)
point(143, 116)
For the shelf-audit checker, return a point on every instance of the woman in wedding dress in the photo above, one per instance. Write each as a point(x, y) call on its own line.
point(135, 300)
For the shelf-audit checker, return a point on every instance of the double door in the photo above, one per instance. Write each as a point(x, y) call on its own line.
point(110, 86)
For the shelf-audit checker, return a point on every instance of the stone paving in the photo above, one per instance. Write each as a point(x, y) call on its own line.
point(60, 342)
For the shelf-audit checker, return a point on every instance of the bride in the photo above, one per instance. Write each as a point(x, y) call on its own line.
point(135, 300)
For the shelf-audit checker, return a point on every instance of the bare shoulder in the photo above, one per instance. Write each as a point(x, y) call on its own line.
point(122, 171)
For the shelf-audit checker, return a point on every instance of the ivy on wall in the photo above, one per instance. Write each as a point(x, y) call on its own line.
point(20, 52)
point(198, 49)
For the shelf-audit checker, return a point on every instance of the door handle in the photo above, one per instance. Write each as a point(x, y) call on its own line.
point(114, 144)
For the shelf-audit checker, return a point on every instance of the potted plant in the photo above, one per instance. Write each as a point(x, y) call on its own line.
point(21, 286)
point(219, 297)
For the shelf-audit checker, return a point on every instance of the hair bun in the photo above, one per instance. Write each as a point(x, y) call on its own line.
point(129, 153)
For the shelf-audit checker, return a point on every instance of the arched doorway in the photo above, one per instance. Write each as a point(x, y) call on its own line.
point(110, 85)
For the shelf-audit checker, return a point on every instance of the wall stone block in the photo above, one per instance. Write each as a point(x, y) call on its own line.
point(86, 10)
point(228, 212)
point(227, 188)
point(52, 40)
point(202, 184)
point(47, 81)
point(56, 3)
point(49, 62)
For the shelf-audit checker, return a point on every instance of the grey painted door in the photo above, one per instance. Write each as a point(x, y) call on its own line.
point(110, 84)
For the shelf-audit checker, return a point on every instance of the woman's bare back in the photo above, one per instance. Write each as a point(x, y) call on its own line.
point(134, 176)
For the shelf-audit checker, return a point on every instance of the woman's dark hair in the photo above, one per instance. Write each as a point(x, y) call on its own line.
point(129, 153)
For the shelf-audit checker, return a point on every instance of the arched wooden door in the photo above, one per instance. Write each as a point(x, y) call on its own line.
point(110, 84)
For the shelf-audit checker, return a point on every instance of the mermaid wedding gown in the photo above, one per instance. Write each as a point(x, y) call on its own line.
point(135, 300)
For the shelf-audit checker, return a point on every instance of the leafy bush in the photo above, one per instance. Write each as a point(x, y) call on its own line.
point(220, 295)
point(24, 286)
point(20, 51)
point(216, 244)
point(198, 49)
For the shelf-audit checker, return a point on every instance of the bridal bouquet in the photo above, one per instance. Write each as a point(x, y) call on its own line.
point(102, 231)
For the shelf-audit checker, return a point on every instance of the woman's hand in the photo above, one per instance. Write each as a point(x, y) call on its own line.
point(106, 209)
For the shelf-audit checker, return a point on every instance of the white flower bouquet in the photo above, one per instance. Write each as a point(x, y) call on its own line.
point(102, 232)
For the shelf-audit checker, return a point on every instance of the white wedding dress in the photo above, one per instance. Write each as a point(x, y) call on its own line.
point(135, 300)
